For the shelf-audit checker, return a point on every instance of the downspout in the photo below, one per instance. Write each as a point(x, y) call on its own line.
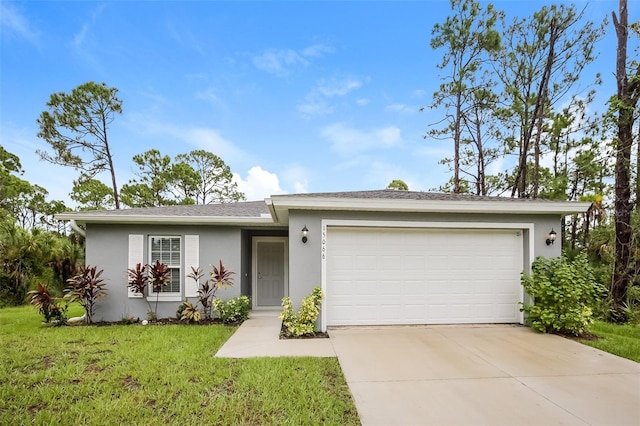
point(76, 228)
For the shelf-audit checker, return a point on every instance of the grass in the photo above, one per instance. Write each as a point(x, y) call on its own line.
point(621, 340)
point(137, 375)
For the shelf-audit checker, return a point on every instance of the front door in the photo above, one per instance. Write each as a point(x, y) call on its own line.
point(270, 271)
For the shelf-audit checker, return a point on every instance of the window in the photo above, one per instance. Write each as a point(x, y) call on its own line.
point(168, 251)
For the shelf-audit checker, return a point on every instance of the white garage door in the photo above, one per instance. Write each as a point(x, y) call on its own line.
point(422, 276)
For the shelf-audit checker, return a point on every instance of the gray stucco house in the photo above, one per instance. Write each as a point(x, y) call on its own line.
point(381, 257)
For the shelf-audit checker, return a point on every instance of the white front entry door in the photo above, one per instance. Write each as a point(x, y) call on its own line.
point(270, 271)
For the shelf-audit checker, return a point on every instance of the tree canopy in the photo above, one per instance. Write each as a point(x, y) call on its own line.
point(76, 128)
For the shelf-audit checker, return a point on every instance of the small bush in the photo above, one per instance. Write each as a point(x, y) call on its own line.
point(565, 293)
point(48, 306)
point(302, 323)
point(190, 313)
point(180, 310)
point(232, 310)
point(220, 277)
point(129, 320)
point(87, 288)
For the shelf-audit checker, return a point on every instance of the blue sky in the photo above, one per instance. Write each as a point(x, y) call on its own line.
point(300, 96)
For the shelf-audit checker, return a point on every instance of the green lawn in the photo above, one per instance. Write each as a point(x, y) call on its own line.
point(132, 374)
point(621, 340)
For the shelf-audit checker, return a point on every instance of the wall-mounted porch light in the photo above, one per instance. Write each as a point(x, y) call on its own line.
point(305, 232)
point(551, 237)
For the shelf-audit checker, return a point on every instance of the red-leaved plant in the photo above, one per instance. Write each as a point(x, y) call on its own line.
point(139, 280)
point(86, 288)
point(47, 306)
point(220, 277)
point(159, 276)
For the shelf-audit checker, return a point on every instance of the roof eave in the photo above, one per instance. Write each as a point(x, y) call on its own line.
point(431, 206)
point(186, 220)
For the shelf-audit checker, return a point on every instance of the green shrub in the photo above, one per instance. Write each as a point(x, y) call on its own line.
point(565, 293)
point(129, 320)
point(232, 310)
point(302, 323)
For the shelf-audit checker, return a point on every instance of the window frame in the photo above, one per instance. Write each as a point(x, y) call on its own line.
point(167, 295)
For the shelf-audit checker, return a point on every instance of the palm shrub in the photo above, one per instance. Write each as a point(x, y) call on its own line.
point(87, 288)
point(47, 306)
point(206, 290)
point(159, 277)
point(220, 277)
point(139, 281)
point(565, 293)
point(303, 322)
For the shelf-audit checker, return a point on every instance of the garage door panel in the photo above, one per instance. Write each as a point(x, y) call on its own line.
point(422, 276)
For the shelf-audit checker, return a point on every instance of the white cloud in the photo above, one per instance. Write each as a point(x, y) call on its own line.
point(276, 61)
point(183, 36)
point(419, 93)
point(200, 137)
point(316, 101)
point(315, 107)
point(279, 61)
point(337, 87)
point(209, 95)
point(79, 37)
point(347, 141)
point(402, 108)
point(13, 22)
point(297, 175)
point(363, 101)
point(259, 184)
point(316, 50)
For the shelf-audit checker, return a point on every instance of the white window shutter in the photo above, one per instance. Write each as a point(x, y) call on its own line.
point(136, 255)
point(191, 259)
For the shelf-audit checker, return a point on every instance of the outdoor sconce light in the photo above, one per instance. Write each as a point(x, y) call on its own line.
point(551, 237)
point(305, 232)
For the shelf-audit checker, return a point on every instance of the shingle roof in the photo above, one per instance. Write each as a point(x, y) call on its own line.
point(393, 194)
point(260, 212)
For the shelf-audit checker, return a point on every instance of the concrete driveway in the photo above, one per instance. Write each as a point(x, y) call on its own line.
point(483, 375)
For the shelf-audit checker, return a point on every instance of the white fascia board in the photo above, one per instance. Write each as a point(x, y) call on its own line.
point(272, 209)
point(431, 206)
point(186, 220)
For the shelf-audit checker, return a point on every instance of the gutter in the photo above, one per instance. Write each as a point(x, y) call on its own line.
point(77, 229)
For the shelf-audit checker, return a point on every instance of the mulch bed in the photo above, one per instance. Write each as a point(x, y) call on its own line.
point(166, 321)
point(284, 334)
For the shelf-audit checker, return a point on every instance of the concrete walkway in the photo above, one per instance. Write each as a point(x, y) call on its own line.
point(260, 336)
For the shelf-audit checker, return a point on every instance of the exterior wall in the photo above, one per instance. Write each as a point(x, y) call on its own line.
point(305, 259)
point(107, 248)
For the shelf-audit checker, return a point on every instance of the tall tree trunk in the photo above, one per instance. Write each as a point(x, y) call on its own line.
point(543, 94)
point(482, 184)
point(112, 169)
point(626, 102)
point(456, 142)
point(638, 166)
point(537, 121)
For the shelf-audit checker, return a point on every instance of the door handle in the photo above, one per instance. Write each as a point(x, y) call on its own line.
point(259, 276)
